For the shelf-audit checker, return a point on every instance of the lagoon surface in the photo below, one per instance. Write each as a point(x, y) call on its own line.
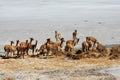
point(21, 19)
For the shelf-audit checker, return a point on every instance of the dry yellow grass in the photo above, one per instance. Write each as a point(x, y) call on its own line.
point(55, 63)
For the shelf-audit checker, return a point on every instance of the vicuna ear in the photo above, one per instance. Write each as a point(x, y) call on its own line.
point(48, 39)
point(62, 38)
point(26, 41)
point(75, 30)
point(32, 38)
point(55, 31)
point(12, 42)
point(17, 40)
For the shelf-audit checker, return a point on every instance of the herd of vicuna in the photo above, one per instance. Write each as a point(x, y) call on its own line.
point(22, 48)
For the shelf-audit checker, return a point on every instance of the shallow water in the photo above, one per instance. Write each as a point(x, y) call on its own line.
point(40, 18)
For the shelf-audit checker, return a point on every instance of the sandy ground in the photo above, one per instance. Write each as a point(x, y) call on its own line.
point(56, 69)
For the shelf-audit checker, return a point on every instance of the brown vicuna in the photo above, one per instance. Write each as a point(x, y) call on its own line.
point(58, 43)
point(24, 43)
point(57, 36)
point(21, 50)
point(86, 46)
point(14, 48)
point(33, 46)
point(74, 35)
point(54, 47)
point(44, 46)
point(70, 44)
point(43, 49)
point(7, 48)
point(93, 39)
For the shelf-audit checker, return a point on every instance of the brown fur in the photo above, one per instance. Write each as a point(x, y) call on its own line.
point(58, 43)
point(86, 45)
point(14, 48)
point(24, 43)
point(74, 34)
point(23, 49)
point(70, 44)
point(57, 36)
point(43, 47)
point(33, 46)
point(55, 46)
point(91, 38)
point(8, 48)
